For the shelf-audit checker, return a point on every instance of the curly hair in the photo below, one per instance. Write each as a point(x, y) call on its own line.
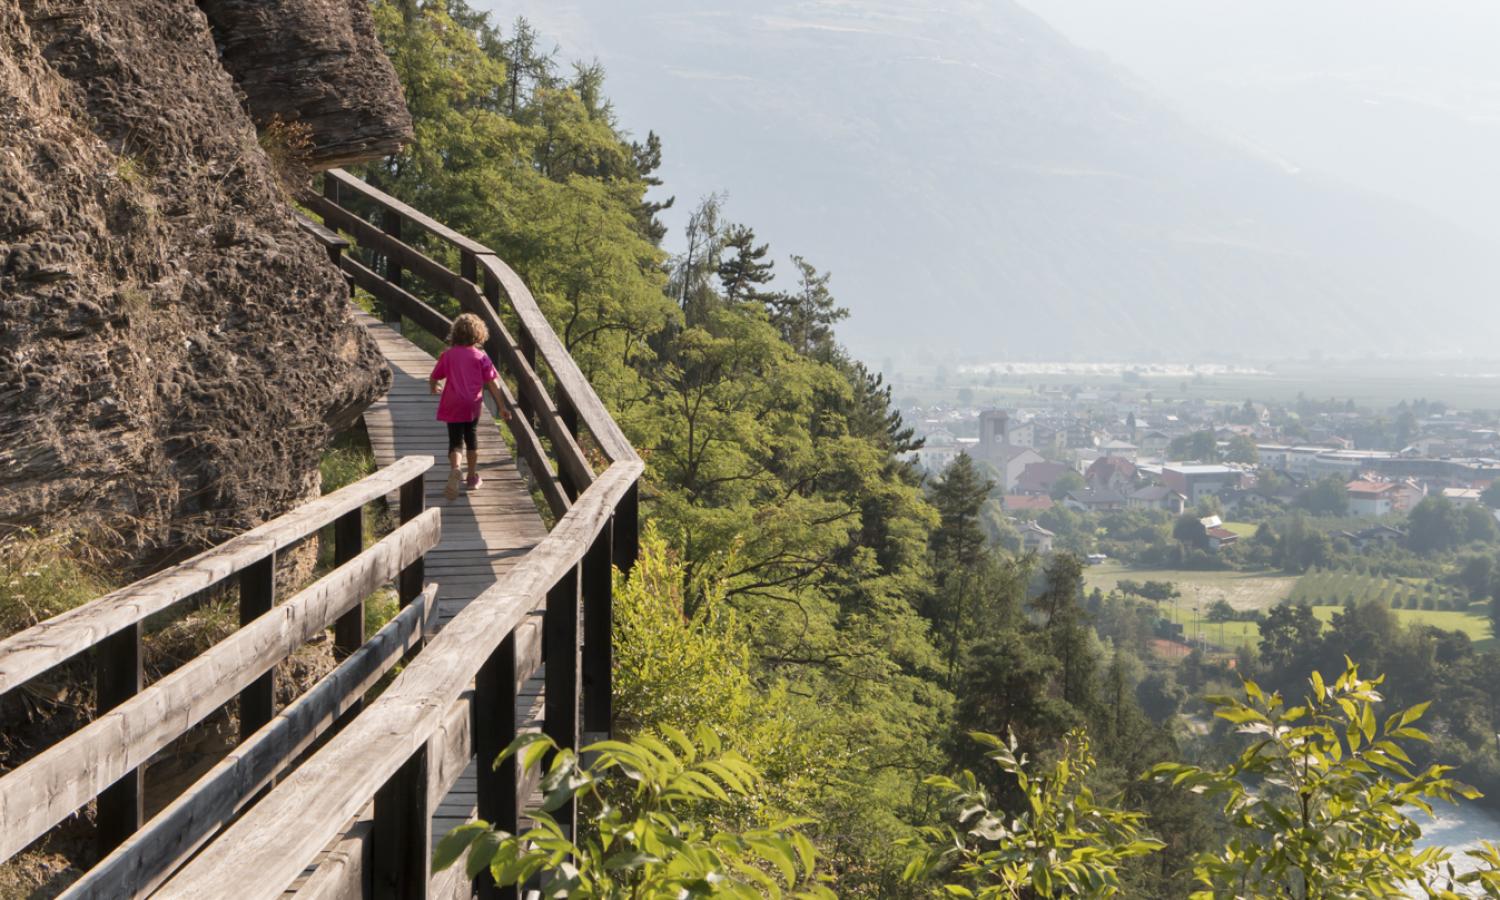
point(468, 331)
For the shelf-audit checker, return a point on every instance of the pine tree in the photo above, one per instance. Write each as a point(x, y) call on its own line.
point(744, 267)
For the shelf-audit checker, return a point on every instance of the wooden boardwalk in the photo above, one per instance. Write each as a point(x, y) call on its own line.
point(484, 533)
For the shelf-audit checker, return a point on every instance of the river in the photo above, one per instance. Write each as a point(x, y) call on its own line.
point(1460, 828)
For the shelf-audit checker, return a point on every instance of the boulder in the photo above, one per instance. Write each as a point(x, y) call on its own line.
point(174, 353)
point(314, 65)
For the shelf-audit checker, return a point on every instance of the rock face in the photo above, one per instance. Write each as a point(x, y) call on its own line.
point(174, 353)
point(317, 63)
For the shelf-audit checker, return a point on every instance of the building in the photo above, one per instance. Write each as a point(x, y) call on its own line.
point(939, 449)
point(1371, 499)
point(1375, 535)
point(1462, 496)
point(1406, 494)
point(1017, 504)
point(1039, 477)
point(1122, 449)
point(1198, 481)
point(1154, 444)
point(1089, 500)
point(1219, 537)
point(1010, 462)
point(1157, 496)
point(1035, 538)
point(1115, 473)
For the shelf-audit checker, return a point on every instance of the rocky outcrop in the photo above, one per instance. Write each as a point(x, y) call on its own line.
point(317, 64)
point(174, 353)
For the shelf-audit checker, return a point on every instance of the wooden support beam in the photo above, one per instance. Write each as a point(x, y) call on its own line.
point(402, 833)
point(560, 642)
point(413, 499)
point(627, 529)
point(494, 711)
point(390, 223)
point(598, 626)
point(349, 542)
point(119, 677)
point(257, 597)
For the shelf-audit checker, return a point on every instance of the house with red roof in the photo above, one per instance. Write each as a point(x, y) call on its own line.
point(1371, 499)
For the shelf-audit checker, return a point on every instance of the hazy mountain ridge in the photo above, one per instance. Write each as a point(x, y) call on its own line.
point(978, 184)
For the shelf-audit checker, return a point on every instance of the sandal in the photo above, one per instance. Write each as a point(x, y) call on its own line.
point(451, 491)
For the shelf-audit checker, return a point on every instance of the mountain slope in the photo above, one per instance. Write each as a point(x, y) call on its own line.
point(978, 185)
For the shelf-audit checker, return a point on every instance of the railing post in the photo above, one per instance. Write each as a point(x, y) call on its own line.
point(560, 638)
point(348, 542)
point(119, 677)
point(257, 597)
point(598, 625)
point(628, 529)
point(401, 837)
point(413, 501)
point(468, 266)
point(568, 414)
point(493, 713)
point(390, 223)
point(528, 353)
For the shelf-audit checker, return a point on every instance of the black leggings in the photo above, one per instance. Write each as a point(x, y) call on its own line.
point(463, 434)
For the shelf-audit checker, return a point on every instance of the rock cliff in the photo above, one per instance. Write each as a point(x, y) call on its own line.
point(174, 353)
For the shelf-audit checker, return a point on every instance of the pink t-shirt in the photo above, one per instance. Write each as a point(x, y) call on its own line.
point(467, 370)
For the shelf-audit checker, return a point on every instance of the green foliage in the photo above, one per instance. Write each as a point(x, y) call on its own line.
point(1326, 497)
point(1061, 843)
point(1200, 446)
point(654, 826)
point(1320, 799)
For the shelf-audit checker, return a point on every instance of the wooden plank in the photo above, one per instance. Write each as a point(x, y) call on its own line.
point(331, 240)
point(265, 849)
point(56, 782)
point(142, 863)
point(39, 648)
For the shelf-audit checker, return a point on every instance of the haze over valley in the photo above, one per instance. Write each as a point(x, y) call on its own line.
point(1030, 199)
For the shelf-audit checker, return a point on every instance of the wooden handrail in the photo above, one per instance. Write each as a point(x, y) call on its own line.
point(571, 382)
point(48, 788)
point(262, 852)
point(31, 652)
point(144, 861)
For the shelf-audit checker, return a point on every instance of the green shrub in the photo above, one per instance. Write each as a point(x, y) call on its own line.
point(649, 826)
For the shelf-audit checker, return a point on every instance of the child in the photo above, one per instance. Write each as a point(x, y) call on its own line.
point(468, 373)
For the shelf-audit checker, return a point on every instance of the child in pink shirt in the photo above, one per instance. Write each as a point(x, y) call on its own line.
point(467, 373)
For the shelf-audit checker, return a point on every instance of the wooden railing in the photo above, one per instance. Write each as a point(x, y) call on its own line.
point(456, 700)
point(105, 759)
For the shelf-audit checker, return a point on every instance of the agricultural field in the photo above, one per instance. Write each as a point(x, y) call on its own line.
point(1242, 590)
point(1340, 586)
point(1474, 621)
